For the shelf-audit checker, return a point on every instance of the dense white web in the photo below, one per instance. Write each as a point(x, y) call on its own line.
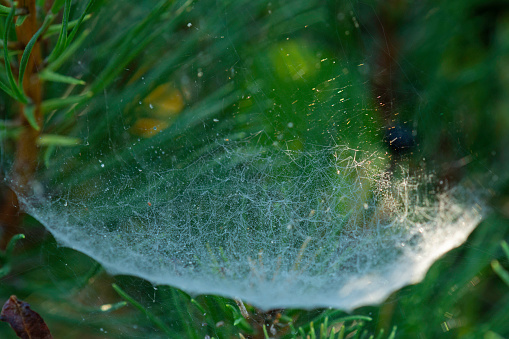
point(325, 227)
point(221, 163)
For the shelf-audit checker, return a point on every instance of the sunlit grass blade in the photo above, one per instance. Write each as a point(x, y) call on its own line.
point(55, 77)
point(341, 333)
point(239, 320)
point(265, 333)
point(393, 333)
point(57, 140)
point(332, 320)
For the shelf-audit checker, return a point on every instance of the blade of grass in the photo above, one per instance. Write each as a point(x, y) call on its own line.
point(342, 331)
point(18, 93)
point(64, 40)
point(55, 77)
point(332, 320)
point(332, 333)
point(28, 111)
point(6, 256)
point(147, 313)
point(94, 270)
point(265, 334)
point(62, 37)
point(505, 248)
point(200, 308)
point(192, 117)
point(57, 103)
point(67, 53)
point(30, 45)
point(4, 11)
point(500, 271)
point(323, 328)
point(129, 49)
point(393, 333)
point(57, 140)
point(21, 20)
point(312, 332)
point(79, 22)
point(239, 320)
point(55, 29)
point(181, 305)
point(56, 6)
point(380, 334)
point(47, 155)
point(7, 90)
point(11, 244)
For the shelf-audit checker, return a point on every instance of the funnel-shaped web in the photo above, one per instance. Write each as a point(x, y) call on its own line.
point(239, 152)
point(277, 229)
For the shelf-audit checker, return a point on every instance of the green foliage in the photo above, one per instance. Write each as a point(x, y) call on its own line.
point(502, 273)
point(451, 86)
point(6, 256)
point(14, 90)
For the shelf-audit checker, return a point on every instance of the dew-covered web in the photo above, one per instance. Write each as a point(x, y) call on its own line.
point(247, 163)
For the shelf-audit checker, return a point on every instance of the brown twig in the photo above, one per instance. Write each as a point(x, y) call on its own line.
point(25, 162)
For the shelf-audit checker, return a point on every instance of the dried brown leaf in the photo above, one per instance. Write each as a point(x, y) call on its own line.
point(26, 323)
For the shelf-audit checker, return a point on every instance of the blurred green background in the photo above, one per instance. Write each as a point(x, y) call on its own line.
point(432, 74)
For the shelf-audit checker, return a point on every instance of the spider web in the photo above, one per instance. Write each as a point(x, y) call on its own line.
point(275, 228)
point(243, 169)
